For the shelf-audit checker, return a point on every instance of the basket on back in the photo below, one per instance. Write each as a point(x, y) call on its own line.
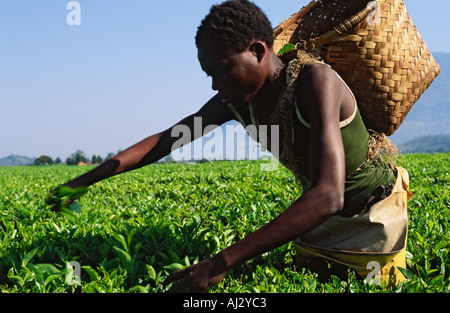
point(375, 48)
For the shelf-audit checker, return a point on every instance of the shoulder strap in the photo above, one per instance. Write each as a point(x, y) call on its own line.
point(236, 113)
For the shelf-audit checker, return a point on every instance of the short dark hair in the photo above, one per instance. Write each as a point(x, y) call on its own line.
point(234, 24)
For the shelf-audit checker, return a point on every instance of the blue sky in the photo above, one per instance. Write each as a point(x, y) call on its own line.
point(129, 70)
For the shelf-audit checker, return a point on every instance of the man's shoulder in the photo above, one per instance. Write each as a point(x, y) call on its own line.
point(313, 69)
point(315, 76)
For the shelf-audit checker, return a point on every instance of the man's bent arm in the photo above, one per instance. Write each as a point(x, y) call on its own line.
point(155, 147)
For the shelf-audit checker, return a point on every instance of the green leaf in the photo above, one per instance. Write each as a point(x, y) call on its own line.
point(46, 268)
point(11, 276)
point(174, 267)
point(121, 239)
point(39, 275)
point(40, 270)
point(407, 273)
point(174, 258)
point(28, 257)
point(286, 48)
point(130, 236)
point(138, 289)
point(125, 258)
point(50, 278)
point(72, 215)
point(151, 272)
point(441, 244)
point(91, 272)
point(75, 207)
point(69, 274)
point(163, 256)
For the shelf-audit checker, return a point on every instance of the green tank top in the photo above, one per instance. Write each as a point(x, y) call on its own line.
point(362, 178)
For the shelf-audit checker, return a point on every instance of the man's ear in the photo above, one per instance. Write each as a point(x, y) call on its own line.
point(259, 49)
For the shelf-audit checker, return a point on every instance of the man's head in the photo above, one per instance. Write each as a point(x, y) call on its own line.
point(234, 44)
point(233, 25)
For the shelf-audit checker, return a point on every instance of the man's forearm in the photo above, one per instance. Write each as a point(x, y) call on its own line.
point(143, 153)
point(309, 211)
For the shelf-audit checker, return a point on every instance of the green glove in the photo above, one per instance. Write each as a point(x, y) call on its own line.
point(63, 197)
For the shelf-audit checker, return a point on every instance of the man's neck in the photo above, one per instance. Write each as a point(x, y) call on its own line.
point(275, 82)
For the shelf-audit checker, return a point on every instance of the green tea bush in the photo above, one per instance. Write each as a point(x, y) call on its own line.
point(133, 230)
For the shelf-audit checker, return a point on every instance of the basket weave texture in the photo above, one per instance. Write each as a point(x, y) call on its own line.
point(374, 46)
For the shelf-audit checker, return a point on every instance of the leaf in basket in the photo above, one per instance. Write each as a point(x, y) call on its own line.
point(286, 48)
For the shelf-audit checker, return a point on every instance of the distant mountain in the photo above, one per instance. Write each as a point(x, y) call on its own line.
point(427, 144)
point(16, 160)
point(430, 115)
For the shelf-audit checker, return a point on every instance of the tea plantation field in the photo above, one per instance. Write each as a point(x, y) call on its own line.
point(135, 229)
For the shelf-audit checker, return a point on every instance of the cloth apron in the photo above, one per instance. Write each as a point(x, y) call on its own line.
point(372, 243)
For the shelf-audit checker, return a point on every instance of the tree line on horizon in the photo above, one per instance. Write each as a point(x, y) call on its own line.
point(76, 158)
point(425, 144)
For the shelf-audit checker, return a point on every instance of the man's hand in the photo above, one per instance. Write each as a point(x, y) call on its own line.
point(199, 277)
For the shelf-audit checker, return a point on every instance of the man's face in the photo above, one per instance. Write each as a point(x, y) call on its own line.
point(236, 76)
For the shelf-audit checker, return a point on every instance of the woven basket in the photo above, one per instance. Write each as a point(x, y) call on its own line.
point(375, 48)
